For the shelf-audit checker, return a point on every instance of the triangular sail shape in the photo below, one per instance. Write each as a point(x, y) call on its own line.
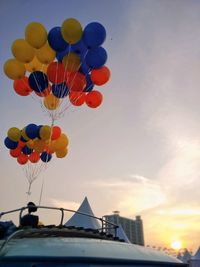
point(79, 220)
point(197, 255)
point(195, 260)
point(186, 256)
point(122, 235)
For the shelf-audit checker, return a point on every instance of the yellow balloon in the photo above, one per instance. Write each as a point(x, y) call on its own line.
point(45, 132)
point(51, 102)
point(14, 134)
point(71, 30)
point(61, 153)
point(23, 134)
point(48, 146)
point(14, 69)
point(36, 34)
point(61, 143)
point(39, 145)
point(45, 54)
point(30, 144)
point(22, 50)
point(44, 68)
point(71, 62)
point(34, 65)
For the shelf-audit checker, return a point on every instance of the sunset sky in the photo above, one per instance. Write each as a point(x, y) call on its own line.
point(139, 152)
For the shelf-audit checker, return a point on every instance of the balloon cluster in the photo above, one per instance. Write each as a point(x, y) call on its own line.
point(67, 61)
point(36, 142)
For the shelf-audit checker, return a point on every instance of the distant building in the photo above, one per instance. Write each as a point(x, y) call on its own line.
point(132, 228)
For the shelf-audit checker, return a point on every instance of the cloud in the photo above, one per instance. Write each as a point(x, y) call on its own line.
point(179, 211)
point(64, 204)
point(139, 178)
point(133, 194)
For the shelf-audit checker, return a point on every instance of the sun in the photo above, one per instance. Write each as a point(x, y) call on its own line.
point(176, 244)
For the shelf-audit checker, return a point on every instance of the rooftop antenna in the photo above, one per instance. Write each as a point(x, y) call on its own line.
point(116, 212)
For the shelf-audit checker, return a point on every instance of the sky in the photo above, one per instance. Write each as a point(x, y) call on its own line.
point(139, 152)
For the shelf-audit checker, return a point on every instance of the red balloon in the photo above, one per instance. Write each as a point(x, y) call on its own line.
point(56, 72)
point(22, 159)
point(21, 144)
point(15, 152)
point(75, 81)
point(94, 99)
point(77, 98)
point(49, 149)
point(34, 157)
point(44, 93)
point(56, 132)
point(100, 76)
point(22, 87)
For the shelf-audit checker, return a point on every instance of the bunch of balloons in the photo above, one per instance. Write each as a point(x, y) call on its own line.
point(60, 67)
point(36, 143)
point(66, 62)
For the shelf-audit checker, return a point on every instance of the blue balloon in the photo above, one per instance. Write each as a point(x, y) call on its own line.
point(23, 139)
point(38, 81)
point(94, 35)
point(56, 40)
point(89, 84)
point(60, 90)
point(60, 55)
point(45, 157)
point(96, 57)
point(32, 131)
point(26, 150)
point(79, 48)
point(84, 68)
point(10, 144)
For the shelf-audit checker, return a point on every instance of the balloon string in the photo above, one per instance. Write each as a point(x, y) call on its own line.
point(32, 172)
point(41, 191)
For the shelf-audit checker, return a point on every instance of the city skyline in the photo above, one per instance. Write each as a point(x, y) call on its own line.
point(139, 152)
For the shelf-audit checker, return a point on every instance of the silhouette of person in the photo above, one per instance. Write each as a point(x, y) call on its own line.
point(29, 219)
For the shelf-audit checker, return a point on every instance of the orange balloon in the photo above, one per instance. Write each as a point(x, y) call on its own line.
point(60, 143)
point(51, 102)
point(34, 157)
point(56, 132)
point(22, 87)
point(15, 152)
point(44, 93)
point(100, 76)
point(77, 98)
point(49, 149)
point(56, 72)
point(71, 62)
point(75, 81)
point(94, 99)
point(39, 145)
point(61, 153)
point(30, 144)
point(22, 159)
